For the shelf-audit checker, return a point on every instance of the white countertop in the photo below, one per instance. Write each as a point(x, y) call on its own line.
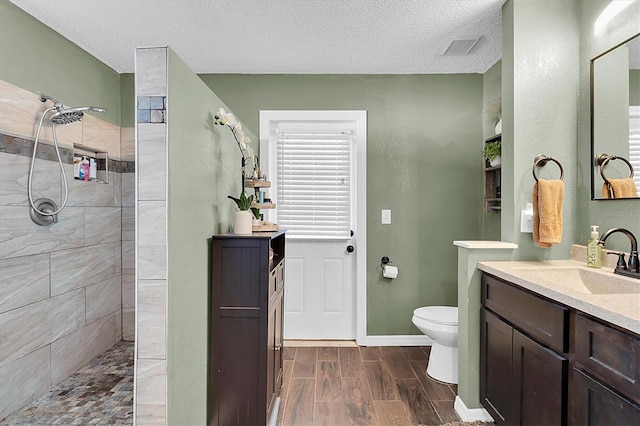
point(551, 278)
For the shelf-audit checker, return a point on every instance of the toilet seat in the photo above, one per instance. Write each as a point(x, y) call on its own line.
point(445, 315)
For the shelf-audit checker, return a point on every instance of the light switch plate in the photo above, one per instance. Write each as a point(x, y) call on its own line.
point(386, 217)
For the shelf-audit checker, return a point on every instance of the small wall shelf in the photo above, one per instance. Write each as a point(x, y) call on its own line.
point(101, 157)
point(492, 182)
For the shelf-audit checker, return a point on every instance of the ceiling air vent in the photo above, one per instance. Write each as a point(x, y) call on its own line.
point(460, 47)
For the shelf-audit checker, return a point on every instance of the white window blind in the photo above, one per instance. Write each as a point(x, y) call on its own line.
point(634, 143)
point(314, 184)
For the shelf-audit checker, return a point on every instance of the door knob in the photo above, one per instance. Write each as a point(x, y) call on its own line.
point(350, 248)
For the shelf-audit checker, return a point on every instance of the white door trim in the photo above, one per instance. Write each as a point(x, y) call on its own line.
point(269, 118)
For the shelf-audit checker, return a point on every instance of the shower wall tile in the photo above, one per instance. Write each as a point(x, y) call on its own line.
point(26, 329)
point(128, 190)
point(23, 280)
point(128, 224)
point(91, 193)
point(103, 298)
point(95, 338)
point(116, 180)
point(128, 291)
point(75, 268)
point(33, 372)
point(117, 259)
point(128, 324)
point(128, 257)
point(14, 178)
point(19, 236)
point(152, 240)
point(151, 391)
point(101, 135)
point(118, 315)
point(128, 143)
point(152, 318)
point(151, 71)
point(102, 225)
point(152, 159)
point(20, 111)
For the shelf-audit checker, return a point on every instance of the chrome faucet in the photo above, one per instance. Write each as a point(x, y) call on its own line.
point(633, 267)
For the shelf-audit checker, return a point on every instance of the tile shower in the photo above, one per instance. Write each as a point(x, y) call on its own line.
point(67, 290)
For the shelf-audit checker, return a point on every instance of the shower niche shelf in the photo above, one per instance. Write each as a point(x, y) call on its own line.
point(101, 158)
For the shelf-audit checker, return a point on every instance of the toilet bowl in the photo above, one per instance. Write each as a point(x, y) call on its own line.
point(440, 323)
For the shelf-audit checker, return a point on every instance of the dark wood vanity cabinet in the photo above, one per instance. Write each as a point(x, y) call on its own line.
point(542, 363)
point(246, 319)
point(605, 381)
point(523, 373)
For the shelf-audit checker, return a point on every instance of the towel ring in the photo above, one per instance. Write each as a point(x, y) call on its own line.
point(602, 160)
point(541, 161)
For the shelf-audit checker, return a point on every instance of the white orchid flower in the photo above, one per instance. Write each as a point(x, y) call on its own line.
point(243, 145)
point(231, 120)
point(246, 140)
point(250, 152)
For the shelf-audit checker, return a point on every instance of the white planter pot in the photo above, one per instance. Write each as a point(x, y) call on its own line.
point(242, 223)
point(496, 161)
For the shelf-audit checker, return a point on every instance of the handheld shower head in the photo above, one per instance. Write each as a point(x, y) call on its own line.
point(71, 115)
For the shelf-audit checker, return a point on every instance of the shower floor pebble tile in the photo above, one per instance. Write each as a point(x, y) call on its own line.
point(101, 393)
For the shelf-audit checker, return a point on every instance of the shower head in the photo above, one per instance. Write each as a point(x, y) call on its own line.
point(71, 115)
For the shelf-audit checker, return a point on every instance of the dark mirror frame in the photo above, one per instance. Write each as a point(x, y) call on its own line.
point(592, 124)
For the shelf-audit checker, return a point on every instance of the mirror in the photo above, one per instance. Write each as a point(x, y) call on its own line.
point(615, 121)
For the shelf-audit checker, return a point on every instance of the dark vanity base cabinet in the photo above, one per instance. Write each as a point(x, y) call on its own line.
point(245, 348)
point(542, 363)
point(521, 381)
point(605, 382)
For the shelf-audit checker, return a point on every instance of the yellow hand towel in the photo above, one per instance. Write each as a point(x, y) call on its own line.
point(619, 188)
point(547, 212)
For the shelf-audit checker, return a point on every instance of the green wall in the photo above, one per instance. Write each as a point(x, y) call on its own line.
point(634, 87)
point(491, 89)
point(36, 58)
point(612, 213)
point(424, 163)
point(539, 98)
point(127, 100)
point(203, 168)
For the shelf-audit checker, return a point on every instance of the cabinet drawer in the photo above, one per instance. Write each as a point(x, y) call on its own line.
point(592, 403)
point(611, 356)
point(541, 319)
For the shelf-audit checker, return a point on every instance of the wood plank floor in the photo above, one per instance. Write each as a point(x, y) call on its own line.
point(362, 386)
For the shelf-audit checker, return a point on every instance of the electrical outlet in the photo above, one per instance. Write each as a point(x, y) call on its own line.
point(386, 217)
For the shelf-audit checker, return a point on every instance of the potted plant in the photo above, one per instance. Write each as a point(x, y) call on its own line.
point(243, 218)
point(492, 151)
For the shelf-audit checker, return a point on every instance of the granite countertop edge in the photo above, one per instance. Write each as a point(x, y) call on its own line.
point(622, 310)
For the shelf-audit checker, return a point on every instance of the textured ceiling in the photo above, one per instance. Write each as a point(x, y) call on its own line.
point(283, 36)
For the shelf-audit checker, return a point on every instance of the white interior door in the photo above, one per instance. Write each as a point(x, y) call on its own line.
point(319, 189)
point(320, 291)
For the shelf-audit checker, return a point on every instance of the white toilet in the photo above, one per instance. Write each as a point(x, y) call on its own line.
point(440, 323)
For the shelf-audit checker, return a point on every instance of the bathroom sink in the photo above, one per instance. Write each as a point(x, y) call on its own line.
point(580, 279)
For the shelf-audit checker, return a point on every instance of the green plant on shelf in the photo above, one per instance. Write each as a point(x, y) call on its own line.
point(492, 150)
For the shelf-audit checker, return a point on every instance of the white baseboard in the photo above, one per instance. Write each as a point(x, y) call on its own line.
point(402, 340)
point(471, 414)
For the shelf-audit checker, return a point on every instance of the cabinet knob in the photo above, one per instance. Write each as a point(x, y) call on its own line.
point(350, 249)
point(277, 347)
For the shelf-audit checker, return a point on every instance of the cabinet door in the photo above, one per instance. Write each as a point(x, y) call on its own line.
point(539, 383)
point(496, 341)
point(271, 358)
point(592, 403)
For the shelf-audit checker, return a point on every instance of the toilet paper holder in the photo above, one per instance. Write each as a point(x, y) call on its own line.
point(388, 270)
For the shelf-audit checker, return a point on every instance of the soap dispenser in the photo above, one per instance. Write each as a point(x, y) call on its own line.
point(594, 251)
